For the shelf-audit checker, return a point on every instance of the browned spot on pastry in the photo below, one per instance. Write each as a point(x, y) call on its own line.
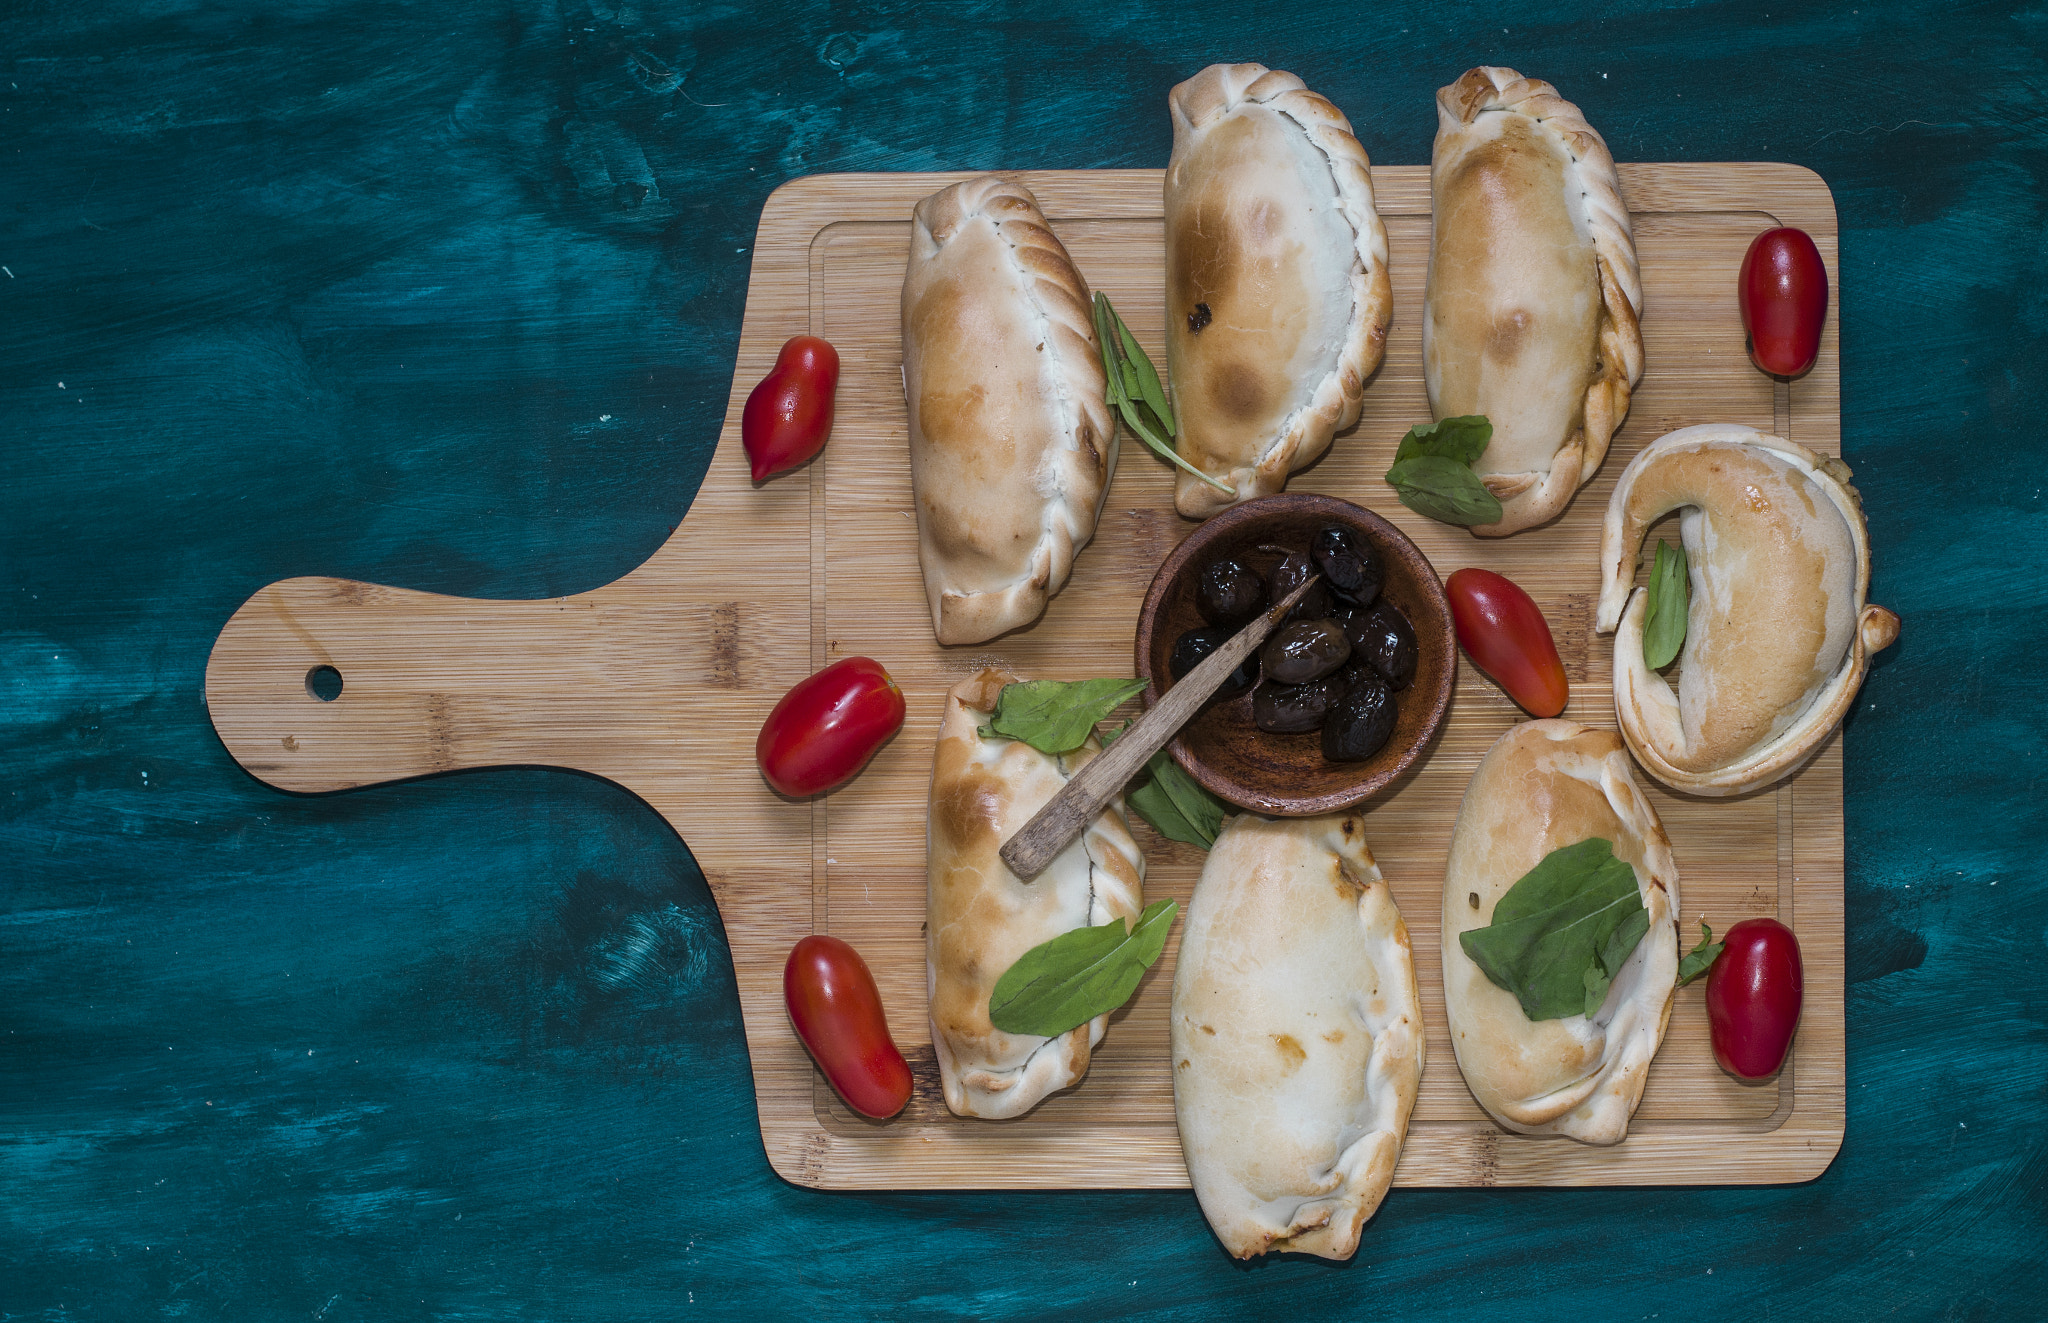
point(1473, 898)
point(1757, 500)
point(1290, 1052)
point(1198, 318)
point(1510, 330)
point(725, 646)
point(1183, 1063)
point(1237, 391)
point(1209, 1029)
point(969, 810)
point(1334, 1036)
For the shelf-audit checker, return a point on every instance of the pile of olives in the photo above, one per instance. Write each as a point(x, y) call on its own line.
point(1334, 663)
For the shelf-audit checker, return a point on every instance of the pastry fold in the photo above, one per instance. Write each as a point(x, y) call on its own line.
point(1778, 631)
point(1542, 786)
point(1297, 1035)
point(1530, 314)
point(1011, 441)
point(979, 918)
point(1277, 295)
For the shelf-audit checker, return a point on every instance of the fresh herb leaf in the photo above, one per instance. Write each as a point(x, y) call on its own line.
point(1701, 958)
point(1172, 801)
point(1176, 805)
point(1563, 931)
point(1443, 489)
point(1064, 983)
point(1432, 471)
point(1134, 390)
point(1670, 594)
point(1056, 716)
point(1462, 439)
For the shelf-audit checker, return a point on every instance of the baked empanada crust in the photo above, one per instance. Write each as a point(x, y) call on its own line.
point(1544, 785)
point(1530, 315)
point(1778, 633)
point(979, 918)
point(1277, 294)
point(1011, 441)
point(1297, 1035)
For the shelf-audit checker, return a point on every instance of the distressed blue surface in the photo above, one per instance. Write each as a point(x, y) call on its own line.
point(363, 289)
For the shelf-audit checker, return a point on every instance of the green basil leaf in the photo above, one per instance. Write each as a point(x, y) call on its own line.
point(1064, 983)
point(1203, 811)
point(1461, 439)
point(1598, 981)
point(1151, 802)
point(1134, 390)
point(1701, 958)
point(1670, 594)
point(1056, 716)
point(1172, 801)
point(1148, 388)
point(1562, 931)
point(1443, 489)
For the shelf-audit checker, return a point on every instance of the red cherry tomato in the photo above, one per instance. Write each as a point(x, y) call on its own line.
point(837, 1012)
point(826, 728)
point(1783, 293)
point(1753, 996)
point(1504, 634)
point(789, 415)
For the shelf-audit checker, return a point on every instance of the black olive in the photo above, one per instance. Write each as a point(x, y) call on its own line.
point(1303, 651)
point(1191, 647)
point(1383, 639)
point(1287, 709)
point(1289, 575)
point(1228, 592)
point(1360, 722)
point(1348, 564)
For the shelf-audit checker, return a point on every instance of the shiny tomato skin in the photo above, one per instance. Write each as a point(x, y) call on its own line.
point(1754, 993)
point(837, 1012)
point(826, 728)
point(1506, 636)
point(1782, 290)
point(789, 415)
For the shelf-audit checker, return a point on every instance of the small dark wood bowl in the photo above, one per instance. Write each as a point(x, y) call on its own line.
point(1287, 775)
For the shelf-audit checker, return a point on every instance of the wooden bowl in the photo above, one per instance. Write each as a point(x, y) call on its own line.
point(1287, 775)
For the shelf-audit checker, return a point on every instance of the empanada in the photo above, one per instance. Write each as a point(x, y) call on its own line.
point(1542, 786)
point(1297, 1035)
point(1277, 296)
point(1530, 312)
point(1778, 633)
point(1011, 440)
point(979, 918)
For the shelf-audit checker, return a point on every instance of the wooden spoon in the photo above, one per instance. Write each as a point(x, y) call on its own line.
point(1055, 826)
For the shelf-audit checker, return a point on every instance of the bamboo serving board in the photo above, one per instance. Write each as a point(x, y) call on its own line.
point(661, 680)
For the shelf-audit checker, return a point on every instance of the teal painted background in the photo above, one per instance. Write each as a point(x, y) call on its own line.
point(447, 296)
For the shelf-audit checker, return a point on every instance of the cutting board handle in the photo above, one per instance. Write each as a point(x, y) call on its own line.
point(426, 683)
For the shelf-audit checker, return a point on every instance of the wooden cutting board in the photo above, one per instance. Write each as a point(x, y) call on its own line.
point(660, 682)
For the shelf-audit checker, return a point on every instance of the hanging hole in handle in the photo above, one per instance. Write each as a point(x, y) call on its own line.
point(324, 683)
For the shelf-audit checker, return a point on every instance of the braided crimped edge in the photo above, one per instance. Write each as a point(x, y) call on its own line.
point(1623, 609)
point(1060, 296)
point(1340, 396)
point(1491, 89)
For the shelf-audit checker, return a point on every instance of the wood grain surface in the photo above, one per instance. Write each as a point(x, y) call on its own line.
point(660, 680)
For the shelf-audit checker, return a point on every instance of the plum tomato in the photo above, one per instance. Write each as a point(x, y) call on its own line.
point(1754, 992)
point(789, 415)
point(827, 727)
point(1783, 293)
point(1504, 634)
point(837, 1012)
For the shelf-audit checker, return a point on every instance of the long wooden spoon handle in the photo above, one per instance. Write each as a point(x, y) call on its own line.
point(1067, 813)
